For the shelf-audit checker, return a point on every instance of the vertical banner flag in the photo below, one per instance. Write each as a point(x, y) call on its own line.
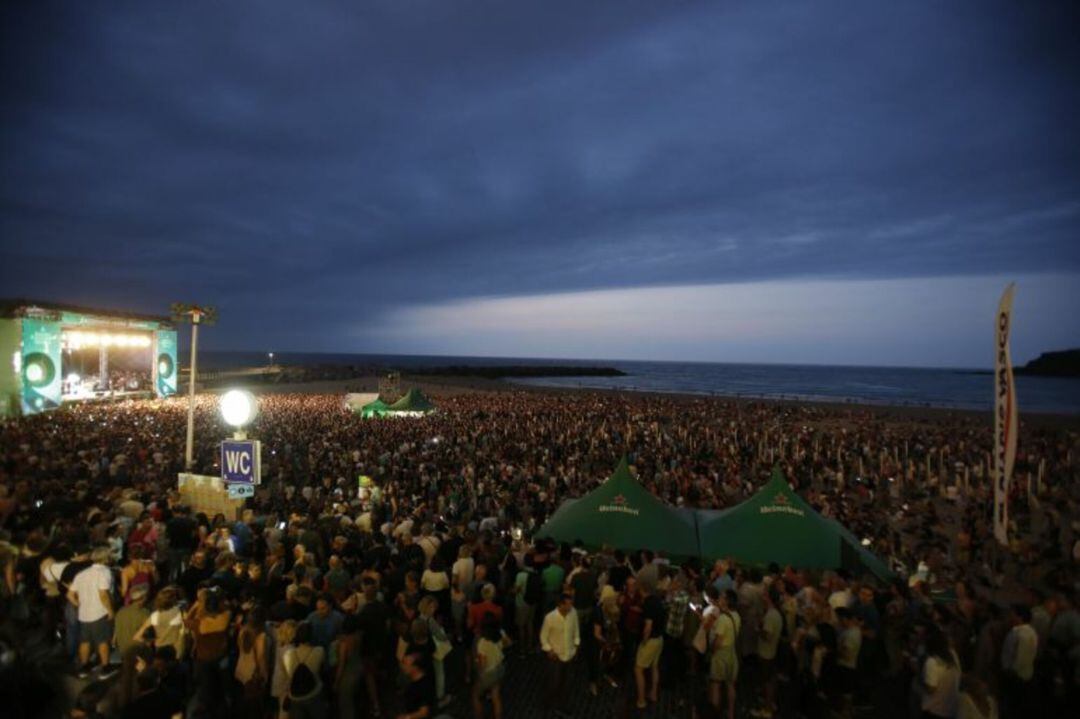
point(40, 365)
point(165, 364)
point(1005, 416)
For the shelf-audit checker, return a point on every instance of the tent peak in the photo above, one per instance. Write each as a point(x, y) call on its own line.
point(622, 471)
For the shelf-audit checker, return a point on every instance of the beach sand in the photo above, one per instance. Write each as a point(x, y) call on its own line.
point(836, 415)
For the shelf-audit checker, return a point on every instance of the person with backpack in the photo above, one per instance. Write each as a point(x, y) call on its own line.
point(303, 664)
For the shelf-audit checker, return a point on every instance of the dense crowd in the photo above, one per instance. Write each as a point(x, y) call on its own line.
point(413, 595)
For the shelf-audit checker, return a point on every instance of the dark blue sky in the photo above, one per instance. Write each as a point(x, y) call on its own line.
point(395, 175)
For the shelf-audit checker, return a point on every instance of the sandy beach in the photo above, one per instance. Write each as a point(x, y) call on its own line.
point(838, 413)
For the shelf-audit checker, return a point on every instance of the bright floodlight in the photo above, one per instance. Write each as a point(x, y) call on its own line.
point(73, 378)
point(238, 407)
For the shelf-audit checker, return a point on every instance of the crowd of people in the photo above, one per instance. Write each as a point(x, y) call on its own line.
point(425, 592)
point(118, 380)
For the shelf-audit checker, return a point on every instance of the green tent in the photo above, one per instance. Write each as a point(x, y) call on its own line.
point(414, 401)
point(624, 515)
point(777, 525)
point(374, 409)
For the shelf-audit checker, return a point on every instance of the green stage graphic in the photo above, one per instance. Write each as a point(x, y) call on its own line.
point(165, 366)
point(40, 365)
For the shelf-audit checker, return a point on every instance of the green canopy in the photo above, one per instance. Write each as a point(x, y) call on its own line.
point(374, 409)
point(413, 401)
point(777, 525)
point(624, 515)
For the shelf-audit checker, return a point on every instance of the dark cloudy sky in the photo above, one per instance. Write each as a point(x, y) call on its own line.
point(751, 181)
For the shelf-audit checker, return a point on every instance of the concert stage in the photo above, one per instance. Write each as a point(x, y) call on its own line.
point(63, 353)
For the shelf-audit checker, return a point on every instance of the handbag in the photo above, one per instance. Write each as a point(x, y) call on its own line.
point(701, 640)
point(442, 648)
point(442, 644)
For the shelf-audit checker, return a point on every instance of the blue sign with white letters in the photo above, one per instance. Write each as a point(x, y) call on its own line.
point(240, 461)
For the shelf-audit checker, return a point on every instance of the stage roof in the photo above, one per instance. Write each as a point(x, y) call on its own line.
point(19, 307)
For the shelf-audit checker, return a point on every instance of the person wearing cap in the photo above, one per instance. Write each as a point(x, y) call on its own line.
point(130, 618)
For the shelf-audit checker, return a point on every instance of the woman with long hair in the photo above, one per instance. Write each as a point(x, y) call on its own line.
point(490, 667)
point(435, 582)
point(349, 671)
point(166, 622)
point(303, 666)
point(938, 682)
point(138, 572)
point(208, 621)
point(441, 646)
point(252, 665)
point(285, 637)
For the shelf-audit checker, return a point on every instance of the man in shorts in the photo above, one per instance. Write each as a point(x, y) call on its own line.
point(768, 639)
point(723, 626)
point(652, 644)
point(91, 593)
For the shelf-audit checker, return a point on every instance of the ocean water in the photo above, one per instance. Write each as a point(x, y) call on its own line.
point(902, 386)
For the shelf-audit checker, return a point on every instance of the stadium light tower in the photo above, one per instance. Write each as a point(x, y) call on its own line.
point(197, 316)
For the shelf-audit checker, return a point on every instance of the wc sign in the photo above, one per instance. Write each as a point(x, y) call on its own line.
point(240, 461)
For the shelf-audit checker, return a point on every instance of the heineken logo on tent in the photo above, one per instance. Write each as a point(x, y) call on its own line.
point(618, 504)
point(781, 503)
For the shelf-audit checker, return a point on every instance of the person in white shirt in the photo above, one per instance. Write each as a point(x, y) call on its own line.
point(559, 638)
point(428, 542)
point(90, 592)
point(939, 687)
point(461, 580)
point(841, 596)
point(1018, 661)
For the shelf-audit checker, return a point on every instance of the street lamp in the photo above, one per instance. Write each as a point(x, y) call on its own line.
point(271, 358)
point(197, 316)
point(238, 409)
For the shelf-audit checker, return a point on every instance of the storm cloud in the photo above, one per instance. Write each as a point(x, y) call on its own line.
point(318, 170)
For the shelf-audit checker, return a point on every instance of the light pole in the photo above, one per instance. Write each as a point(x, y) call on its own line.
point(271, 354)
point(189, 445)
point(197, 315)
